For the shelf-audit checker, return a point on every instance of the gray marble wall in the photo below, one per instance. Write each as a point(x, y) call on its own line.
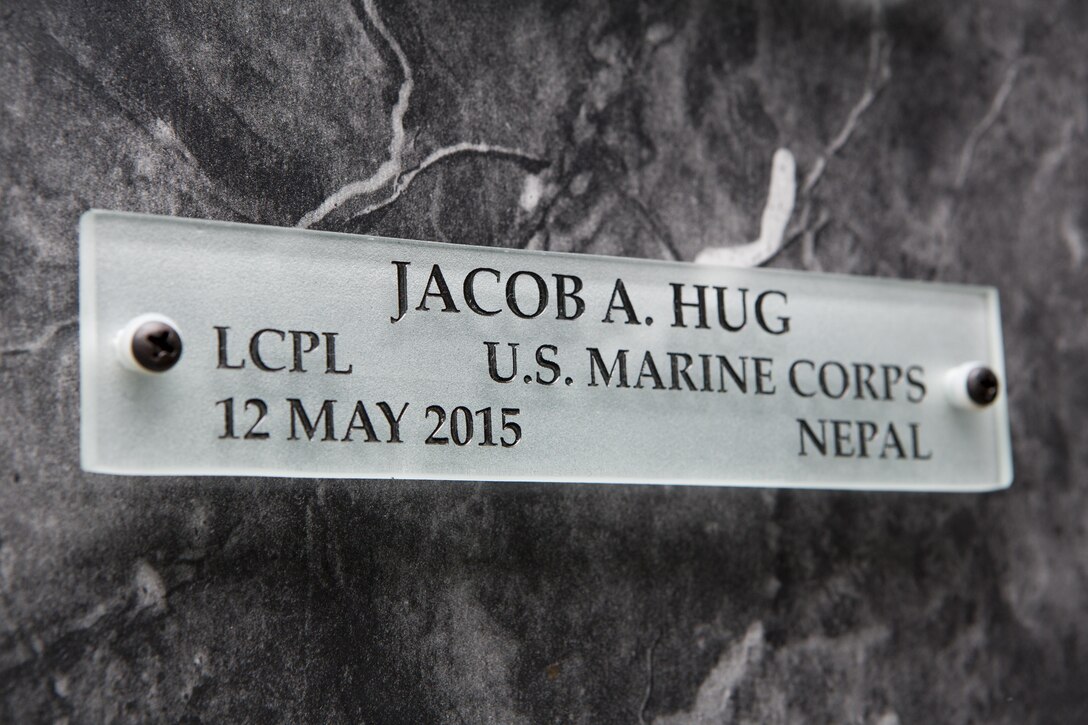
point(933, 140)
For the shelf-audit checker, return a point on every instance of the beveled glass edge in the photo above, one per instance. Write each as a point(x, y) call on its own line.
point(88, 340)
point(181, 471)
point(1006, 468)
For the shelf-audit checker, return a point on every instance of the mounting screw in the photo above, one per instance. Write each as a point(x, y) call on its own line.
point(982, 385)
point(149, 344)
point(972, 386)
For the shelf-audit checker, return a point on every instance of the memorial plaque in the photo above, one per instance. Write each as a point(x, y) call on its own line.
point(212, 348)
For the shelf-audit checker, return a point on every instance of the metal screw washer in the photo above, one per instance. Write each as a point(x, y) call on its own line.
point(156, 346)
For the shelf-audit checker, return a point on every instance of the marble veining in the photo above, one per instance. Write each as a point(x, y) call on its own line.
point(914, 139)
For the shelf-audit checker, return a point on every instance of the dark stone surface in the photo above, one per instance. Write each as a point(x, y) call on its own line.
point(619, 128)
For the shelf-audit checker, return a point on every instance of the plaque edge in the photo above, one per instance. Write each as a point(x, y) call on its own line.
point(91, 461)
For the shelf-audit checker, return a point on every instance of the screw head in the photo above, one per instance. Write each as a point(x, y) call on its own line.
point(982, 386)
point(156, 346)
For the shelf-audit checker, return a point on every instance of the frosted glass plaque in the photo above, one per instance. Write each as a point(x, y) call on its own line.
point(213, 348)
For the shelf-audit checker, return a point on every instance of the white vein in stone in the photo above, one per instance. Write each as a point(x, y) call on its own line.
point(649, 681)
point(392, 169)
point(714, 702)
point(45, 337)
point(877, 76)
point(776, 215)
point(967, 155)
point(404, 95)
point(1074, 238)
point(782, 197)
